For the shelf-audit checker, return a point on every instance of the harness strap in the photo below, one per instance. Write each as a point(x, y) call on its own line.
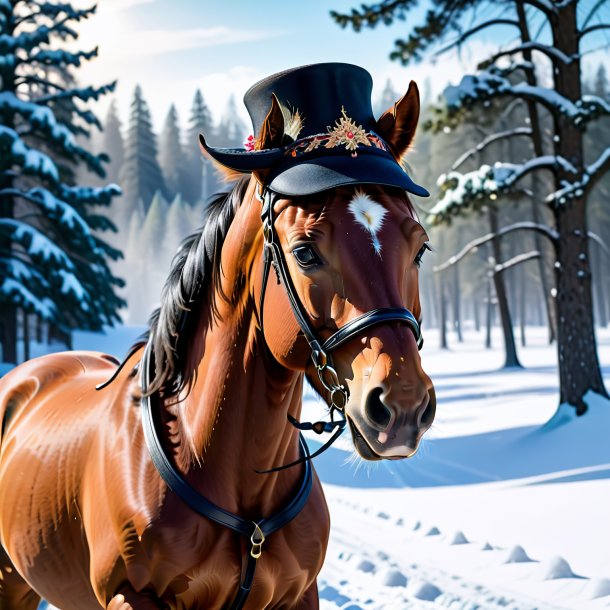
point(256, 532)
point(371, 318)
point(246, 584)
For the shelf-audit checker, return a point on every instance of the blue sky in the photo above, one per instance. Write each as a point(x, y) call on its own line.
point(172, 47)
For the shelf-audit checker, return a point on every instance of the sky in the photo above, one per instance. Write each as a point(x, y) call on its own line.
point(173, 47)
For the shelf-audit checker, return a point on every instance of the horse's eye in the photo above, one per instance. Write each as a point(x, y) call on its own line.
point(421, 253)
point(306, 257)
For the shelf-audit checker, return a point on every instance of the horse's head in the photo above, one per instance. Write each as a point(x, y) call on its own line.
point(350, 251)
point(346, 244)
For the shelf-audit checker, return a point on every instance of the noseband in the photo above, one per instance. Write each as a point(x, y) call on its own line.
point(273, 255)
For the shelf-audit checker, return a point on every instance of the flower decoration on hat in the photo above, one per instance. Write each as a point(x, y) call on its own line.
point(347, 133)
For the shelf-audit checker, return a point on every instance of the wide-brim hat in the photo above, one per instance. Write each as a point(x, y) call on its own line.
point(314, 129)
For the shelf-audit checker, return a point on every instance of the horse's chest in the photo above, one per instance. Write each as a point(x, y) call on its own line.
point(203, 564)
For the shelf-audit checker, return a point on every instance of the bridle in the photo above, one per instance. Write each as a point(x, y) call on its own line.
point(321, 355)
point(321, 351)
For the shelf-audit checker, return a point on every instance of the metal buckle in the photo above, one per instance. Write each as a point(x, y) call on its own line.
point(330, 380)
point(257, 540)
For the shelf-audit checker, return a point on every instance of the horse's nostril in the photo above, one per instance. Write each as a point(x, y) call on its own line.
point(428, 415)
point(376, 411)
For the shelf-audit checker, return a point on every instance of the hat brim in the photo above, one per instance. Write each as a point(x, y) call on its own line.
point(241, 160)
point(318, 173)
point(322, 173)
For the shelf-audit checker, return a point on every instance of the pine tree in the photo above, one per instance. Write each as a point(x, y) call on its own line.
point(153, 232)
point(148, 259)
point(141, 175)
point(232, 130)
point(112, 143)
point(52, 261)
point(563, 158)
point(171, 155)
point(601, 87)
point(389, 97)
point(199, 182)
point(178, 226)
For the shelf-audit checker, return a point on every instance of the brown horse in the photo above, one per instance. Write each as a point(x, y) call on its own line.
point(86, 521)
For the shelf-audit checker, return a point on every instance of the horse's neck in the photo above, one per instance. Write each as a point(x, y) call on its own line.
point(234, 420)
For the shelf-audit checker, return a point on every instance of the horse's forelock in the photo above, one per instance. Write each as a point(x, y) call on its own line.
point(187, 294)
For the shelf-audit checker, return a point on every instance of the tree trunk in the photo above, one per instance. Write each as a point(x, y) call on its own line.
point(489, 309)
point(600, 311)
point(457, 315)
point(511, 359)
point(442, 314)
point(26, 336)
point(39, 329)
point(8, 315)
point(579, 370)
point(8, 311)
point(537, 184)
point(522, 307)
point(475, 312)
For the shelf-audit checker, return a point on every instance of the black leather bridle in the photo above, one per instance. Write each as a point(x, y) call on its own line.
point(258, 531)
point(273, 255)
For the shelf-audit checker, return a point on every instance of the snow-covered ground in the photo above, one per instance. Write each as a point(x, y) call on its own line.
point(497, 510)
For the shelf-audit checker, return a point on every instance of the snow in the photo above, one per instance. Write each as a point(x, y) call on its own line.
point(19, 270)
point(486, 182)
point(36, 243)
point(490, 83)
point(32, 161)
point(38, 116)
point(70, 284)
point(20, 295)
point(66, 213)
point(518, 508)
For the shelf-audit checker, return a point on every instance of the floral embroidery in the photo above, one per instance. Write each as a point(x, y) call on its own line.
point(249, 143)
point(347, 133)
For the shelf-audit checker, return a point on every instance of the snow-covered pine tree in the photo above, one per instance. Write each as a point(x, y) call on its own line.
point(141, 175)
point(52, 261)
point(199, 179)
point(112, 143)
point(568, 24)
point(171, 155)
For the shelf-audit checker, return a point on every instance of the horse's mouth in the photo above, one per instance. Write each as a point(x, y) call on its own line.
point(362, 447)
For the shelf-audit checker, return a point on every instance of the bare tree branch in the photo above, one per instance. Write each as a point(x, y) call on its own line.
point(519, 131)
point(598, 169)
point(516, 260)
point(592, 12)
point(552, 52)
point(547, 232)
point(593, 28)
point(541, 7)
point(458, 41)
point(600, 242)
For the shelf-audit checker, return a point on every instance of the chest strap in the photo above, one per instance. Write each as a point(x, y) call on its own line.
point(255, 531)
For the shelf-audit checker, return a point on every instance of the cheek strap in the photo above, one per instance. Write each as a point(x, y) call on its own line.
point(320, 351)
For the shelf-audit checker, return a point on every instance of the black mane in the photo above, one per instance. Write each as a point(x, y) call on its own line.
point(194, 271)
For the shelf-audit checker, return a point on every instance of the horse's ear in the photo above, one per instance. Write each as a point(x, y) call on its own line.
point(397, 125)
point(272, 131)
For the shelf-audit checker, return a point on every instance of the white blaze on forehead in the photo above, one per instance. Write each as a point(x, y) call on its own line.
point(369, 214)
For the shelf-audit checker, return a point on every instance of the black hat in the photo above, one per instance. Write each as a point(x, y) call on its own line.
point(315, 131)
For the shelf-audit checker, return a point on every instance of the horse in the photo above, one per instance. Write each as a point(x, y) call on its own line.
point(88, 520)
